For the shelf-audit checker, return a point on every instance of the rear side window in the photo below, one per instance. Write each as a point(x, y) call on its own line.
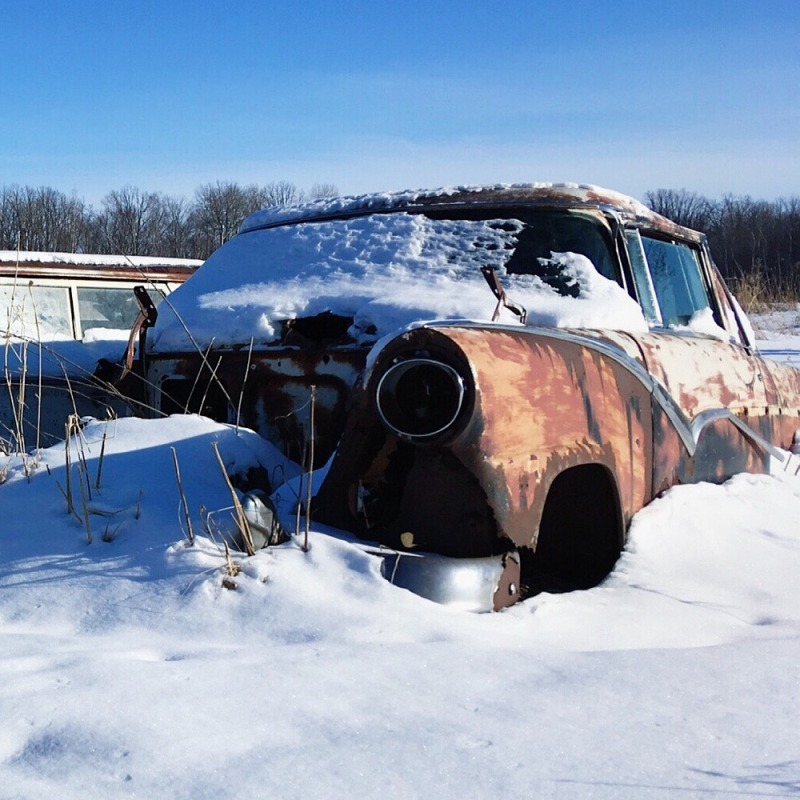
point(677, 280)
point(36, 312)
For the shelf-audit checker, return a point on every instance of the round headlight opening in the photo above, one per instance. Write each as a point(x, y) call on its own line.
point(420, 397)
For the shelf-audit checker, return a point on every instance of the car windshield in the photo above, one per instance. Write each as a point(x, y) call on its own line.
point(535, 236)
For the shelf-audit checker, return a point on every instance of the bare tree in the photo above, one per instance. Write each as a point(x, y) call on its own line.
point(320, 191)
point(220, 208)
point(175, 231)
point(130, 222)
point(281, 193)
point(682, 206)
point(41, 219)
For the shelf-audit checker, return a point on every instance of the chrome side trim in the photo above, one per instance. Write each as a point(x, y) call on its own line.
point(705, 418)
point(688, 430)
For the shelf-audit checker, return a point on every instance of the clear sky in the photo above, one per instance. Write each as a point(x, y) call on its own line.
point(167, 95)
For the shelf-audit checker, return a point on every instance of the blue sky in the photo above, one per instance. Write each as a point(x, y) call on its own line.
point(169, 95)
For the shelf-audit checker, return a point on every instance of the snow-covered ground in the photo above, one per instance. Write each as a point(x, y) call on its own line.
point(129, 670)
point(778, 331)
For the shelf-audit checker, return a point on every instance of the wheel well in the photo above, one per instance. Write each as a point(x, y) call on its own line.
point(580, 534)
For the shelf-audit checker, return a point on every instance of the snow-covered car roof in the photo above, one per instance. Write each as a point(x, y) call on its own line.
point(501, 194)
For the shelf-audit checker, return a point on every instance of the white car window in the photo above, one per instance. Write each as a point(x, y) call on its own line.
point(36, 312)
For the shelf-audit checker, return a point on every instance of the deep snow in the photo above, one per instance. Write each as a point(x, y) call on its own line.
point(129, 671)
point(136, 665)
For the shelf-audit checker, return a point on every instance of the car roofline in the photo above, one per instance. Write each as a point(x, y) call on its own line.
point(534, 195)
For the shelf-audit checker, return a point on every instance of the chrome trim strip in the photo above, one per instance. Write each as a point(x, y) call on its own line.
point(705, 418)
point(402, 367)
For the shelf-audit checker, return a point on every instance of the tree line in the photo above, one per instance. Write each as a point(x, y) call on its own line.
point(138, 223)
point(756, 243)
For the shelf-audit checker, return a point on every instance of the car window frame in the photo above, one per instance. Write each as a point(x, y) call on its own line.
point(646, 285)
point(642, 279)
point(72, 287)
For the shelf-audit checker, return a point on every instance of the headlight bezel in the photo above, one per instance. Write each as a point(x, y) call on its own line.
point(424, 397)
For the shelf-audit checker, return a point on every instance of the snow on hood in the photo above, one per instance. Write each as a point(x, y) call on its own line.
point(386, 271)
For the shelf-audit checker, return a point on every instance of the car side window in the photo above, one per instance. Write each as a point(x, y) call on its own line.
point(677, 280)
point(36, 312)
point(111, 307)
point(641, 277)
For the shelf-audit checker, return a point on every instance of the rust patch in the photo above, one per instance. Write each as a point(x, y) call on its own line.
point(508, 589)
point(268, 391)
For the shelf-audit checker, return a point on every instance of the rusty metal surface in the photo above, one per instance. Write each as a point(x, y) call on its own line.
point(268, 390)
point(546, 405)
point(67, 266)
point(653, 409)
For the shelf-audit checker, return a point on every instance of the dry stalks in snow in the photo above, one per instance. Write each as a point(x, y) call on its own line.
point(76, 468)
point(100, 460)
point(231, 570)
point(184, 504)
point(244, 383)
point(239, 517)
point(311, 438)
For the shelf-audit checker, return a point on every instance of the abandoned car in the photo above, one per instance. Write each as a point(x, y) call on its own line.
point(61, 312)
point(495, 379)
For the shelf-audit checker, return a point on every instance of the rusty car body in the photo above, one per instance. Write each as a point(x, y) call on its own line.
point(500, 454)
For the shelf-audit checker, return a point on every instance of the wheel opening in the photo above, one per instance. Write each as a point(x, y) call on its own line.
point(580, 535)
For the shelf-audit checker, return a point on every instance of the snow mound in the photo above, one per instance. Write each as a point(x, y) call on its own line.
point(139, 665)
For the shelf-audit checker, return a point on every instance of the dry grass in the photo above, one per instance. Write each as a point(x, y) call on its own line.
point(751, 292)
point(239, 517)
point(184, 504)
point(757, 296)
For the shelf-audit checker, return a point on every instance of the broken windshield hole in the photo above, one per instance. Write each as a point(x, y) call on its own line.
point(324, 328)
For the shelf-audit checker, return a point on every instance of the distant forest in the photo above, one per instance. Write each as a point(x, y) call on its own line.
point(137, 223)
point(755, 243)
